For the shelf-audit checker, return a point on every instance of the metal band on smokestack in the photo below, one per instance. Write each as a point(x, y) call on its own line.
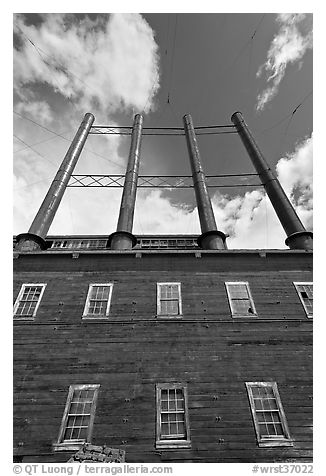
point(123, 239)
point(297, 236)
point(211, 238)
point(35, 238)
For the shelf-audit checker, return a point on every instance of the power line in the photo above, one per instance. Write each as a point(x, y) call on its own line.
point(38, 143)
point(59, 135)
point(291, 114)
point(36, 152)
point(250, 39)
point(241, 51)
point(63, 67)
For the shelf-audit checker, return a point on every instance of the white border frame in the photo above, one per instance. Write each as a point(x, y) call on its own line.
point(252, 304)
point(285, 440)
point(158, 301)
point(73, 444)
point(18, 299)
point(305, 283)
point(170, 443)
point(86, 308)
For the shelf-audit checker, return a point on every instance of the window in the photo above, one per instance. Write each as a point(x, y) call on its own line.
point(305, 291)
point(169, 299)
point(268, 414)
point(172, 429)
point(240, 300)
point(28, 301)
point(98, 301)
point(78, 417)
point(79, 244)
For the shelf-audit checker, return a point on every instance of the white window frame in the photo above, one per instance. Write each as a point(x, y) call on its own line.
point(252, 304)
point(158, 308)
point(273, 440)
point(19, 297)
point(86, 315)
point(68, 445)
point(170, 443)
point(306, 283)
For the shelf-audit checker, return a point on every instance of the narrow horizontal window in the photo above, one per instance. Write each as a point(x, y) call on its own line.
point(172, 416)
point(78, 417)
point(268, 414)
point(240, 299)
point(98, 300)
point(28, 300)
point(305, 292)
point(169, 299)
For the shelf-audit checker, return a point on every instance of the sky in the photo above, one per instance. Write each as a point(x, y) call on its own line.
point(163, 65)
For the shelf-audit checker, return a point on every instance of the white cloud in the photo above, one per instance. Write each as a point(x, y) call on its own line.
point(295, 172)
point(39, 110)
point(288, 46)
point(106, 64)
point(103, 65)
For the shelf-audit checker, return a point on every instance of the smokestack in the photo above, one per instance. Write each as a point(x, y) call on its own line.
point(297, 236)
point(35, 238)
point(123, 239)
point(211, 238)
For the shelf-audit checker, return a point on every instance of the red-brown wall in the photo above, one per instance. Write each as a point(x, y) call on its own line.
point(211, 352)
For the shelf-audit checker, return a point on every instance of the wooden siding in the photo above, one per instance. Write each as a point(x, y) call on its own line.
point(211, 352)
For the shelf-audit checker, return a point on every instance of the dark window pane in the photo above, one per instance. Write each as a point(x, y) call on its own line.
point(261, 417)
point(172, 417)
point(164, 394)
point(173, 428)
point(164, 417)
point(181, 428)
point(263, 430)
point(269, 404)
point(71, 421)
point(268, 391)
point(279, 429)
point(172, 405)
point(75, 434)
point(271, 430)
point(67, 435)
point(165, 428)
point(258, 404)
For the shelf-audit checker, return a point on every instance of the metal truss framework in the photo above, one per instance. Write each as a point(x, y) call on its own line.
point(163, 131)
point(163, 181)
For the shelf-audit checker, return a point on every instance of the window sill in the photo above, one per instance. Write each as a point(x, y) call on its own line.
point(241, 316)
point(172, 444)
point(95, 318)
point(271, 442)
point(68, 446)
point(176, 316)
point(16, 318)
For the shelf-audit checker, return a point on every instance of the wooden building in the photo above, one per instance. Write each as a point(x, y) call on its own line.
point(199, 324)
point(171, 348)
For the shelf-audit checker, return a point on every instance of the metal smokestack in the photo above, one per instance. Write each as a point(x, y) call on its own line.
point(297, 236)
point(123, 239)
point(211, 238)
point(35, 238)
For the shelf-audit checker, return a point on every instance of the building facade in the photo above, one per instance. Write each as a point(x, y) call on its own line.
point(167, 351)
